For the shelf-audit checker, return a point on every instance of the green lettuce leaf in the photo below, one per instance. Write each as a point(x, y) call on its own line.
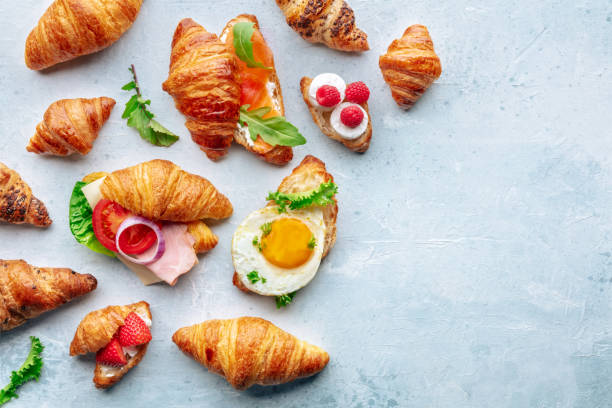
point(243, 45)
point(321, 196)
point(29, 370)
point(274, 131)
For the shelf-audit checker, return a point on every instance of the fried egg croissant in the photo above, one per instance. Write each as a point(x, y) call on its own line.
point(250, 350)
point(410, 66)
point(71, 28)
point(71, 126)
point(27, 291)
point(17, 203)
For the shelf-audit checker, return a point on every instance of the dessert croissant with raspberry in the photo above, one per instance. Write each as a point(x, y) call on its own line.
point(17, 203)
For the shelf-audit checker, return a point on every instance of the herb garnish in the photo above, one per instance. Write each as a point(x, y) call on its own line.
point(266, 228)
point(276, 131)
point(243, 44)
point(254, 277)
point(284, 300)
point(29, 370)
point(312, 243)
point(322, 196)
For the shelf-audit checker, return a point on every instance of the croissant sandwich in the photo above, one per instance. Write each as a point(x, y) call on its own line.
point(277, 250)
point(119, 335)
point(228, 89)
point(17, 203)
point(250, 350)
point(71, 126)
point(410, 66)
point(331, 22)
point(149, 216)
point(27, 291)
point(71, 28)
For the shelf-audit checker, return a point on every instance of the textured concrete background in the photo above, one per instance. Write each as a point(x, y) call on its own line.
point(473, 262)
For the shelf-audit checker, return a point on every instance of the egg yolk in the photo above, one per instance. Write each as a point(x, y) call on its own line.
point(286, 245)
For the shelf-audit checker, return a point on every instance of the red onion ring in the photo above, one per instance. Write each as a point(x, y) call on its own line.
point(137, 220)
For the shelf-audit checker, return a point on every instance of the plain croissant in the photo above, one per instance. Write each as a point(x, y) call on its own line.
point(17, 203)
point(250, 350)
point(410, 66)
point(27, 291)
point(161, 190)
point(331, 22)
point(71, 126)
point(71, 28)
point(204, 84)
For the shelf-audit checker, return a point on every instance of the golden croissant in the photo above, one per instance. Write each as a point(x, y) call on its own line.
point(71, 28)
point(410, 66)
point(331, 22)
point(250, 350)
point(97, 329)
point(204, 84)
point(27, 291)
point(71, 126)
point(17, 203)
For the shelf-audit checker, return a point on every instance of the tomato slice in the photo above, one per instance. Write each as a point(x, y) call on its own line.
point(137, 239)
point(106, 219)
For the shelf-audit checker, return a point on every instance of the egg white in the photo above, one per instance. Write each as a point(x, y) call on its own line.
point(247, 258)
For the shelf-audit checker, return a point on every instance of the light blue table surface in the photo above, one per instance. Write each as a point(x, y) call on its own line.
point(473, 264)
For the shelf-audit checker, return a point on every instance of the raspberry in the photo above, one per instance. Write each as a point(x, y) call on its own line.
point(351, 116)
point(357, 92)
point(328, 96)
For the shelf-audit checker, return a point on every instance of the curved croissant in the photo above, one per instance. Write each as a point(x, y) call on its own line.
point(331, 22)
point(27, 292)
point(71, 28)
point(17, 203)
point(410, 66)
point(161, 190)
point(204, 84)
point(250, 350)
point(71, 126)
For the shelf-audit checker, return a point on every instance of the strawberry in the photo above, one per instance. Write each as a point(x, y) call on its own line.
point(357, 92)
point(112, 354)
point(351, 116)
point(328, 96)
point(134, 331)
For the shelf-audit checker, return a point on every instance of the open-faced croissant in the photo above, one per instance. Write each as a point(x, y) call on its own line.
point(27, 291)
point(250, 350)
point(71, 28)
point(71, 126)
point(17, 203)
point(204, 84)
point(410, 66)
point(331, 22)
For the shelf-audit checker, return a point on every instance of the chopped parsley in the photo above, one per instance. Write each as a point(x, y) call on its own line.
point(312, 243)
point(254, 277)
point(284, 300)
point(257, 244)
point(266, 228)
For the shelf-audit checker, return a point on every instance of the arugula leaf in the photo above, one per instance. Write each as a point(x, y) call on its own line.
point(321, 196)
point(312, 244)
point(81, 225)
point(254, 277)
point(141, 119)
point(243, 44)
point(284, 300)
point(29, 370)
point(275, 130)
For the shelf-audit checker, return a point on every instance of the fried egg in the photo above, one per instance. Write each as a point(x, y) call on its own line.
point(278, 253)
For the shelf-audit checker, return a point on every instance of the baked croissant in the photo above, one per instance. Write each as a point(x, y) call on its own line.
point(410, 66)
point(97, 329)
point(17, 204)
point(250, 350)
point(71, 28)
point(160, 190)
point(205, 239)
point(71, 126)
point(27, 291)
point(331, 22)
point(204, 84)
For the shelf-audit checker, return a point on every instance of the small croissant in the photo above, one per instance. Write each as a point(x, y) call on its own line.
point(250, 350)
point(17, 203)
point(331, 22)
point(27, 291)
point(410, 66)
point(71, 28)
point(71, 126)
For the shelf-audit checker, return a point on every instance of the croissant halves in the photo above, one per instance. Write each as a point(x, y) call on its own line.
point(17, 203)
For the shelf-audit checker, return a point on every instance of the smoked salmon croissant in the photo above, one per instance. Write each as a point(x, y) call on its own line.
point(204, 84)
point(331, 22)
point(71, 28)
point(410, 66)
point(27, 291)
point(17, 203)
point(119, 335)
point(71, 126)
point(250, 350)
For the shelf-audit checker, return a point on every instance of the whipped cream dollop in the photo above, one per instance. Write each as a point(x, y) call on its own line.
point(326, 79)
point(345, 131)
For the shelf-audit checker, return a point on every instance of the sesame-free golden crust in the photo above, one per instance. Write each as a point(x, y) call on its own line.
point(17, 203)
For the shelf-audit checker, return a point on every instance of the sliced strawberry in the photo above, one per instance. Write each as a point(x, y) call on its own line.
point(112, 354)
point(134, 331)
